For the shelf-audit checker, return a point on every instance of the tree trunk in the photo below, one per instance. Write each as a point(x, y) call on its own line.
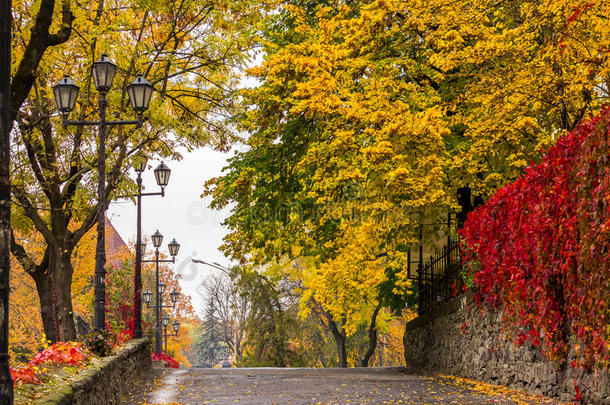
point(53, 285)
point(372, 339)
point(340, 339)
point(43, 287)
point(63, 290)
point(464, 197)
point(6, 382)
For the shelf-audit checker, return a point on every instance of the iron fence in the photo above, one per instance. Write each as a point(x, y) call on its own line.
point(440, 279)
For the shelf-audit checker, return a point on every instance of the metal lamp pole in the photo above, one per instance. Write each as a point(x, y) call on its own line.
point(173, 247)
point(66, 93)
point(6, 382)
point(175, 326)
point(162, 173)
point(165, 323)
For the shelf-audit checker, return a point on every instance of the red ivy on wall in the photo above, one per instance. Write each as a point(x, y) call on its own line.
point(543, 246)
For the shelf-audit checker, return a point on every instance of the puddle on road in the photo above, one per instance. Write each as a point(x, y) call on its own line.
point(169, 390)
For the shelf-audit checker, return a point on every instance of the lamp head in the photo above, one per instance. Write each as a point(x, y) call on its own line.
point(140, 92)
point(173, 247)
point(103, 71)
point(173, 296)
point(140, 163)
point(66, 93)
point(157, 239)
point(162, 173)
point(147, 296)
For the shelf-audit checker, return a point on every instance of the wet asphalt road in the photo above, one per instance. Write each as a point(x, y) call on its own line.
point(316, 386)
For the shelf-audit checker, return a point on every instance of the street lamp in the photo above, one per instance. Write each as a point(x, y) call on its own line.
point(103, 71)
point(174, 247)
point(140, 166)
point(175, 326)
point(173, 296)
point(214, 265)
point(147, 296)
point(66, 92)
point(140, 91)
point(162, 173)
point(157, 239)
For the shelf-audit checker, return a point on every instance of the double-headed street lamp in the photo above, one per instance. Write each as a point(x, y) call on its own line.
point(66, 93)
point(173, 248)
point(173, 296)
point(162, 173)
point(175, 326)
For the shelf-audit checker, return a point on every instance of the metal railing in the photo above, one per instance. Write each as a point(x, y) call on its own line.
point(440, 279)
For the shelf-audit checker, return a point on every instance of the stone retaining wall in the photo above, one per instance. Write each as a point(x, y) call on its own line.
point(105, 382)
point(460, 338)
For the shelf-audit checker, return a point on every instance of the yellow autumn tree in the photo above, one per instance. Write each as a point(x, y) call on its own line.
point(526, 72)
point(190, 51)
point(369, 115)
point(26, 334)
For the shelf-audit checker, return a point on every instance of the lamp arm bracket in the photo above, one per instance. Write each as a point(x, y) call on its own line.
point(124, 122)
point(138, 123)
point(142, 195)
point(160, 261)
point(80, 123)
point(162, 306)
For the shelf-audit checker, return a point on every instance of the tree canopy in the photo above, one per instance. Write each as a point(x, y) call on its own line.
point(369, 115)
point(191, 53)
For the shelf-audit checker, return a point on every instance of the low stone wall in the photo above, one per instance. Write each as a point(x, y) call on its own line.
point(462, 339)
point(105, 382)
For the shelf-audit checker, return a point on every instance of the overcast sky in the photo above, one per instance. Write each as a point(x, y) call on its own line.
point(181, 214)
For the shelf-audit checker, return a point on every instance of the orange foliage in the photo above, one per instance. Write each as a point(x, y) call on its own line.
point(26, 331)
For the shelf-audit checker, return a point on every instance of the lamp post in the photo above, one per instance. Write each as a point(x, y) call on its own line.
point(6, 381)
point(175, 326)
point(66, 93)
point(162, 173)
point(165, 323)
point(215, 265)
point(173, 247)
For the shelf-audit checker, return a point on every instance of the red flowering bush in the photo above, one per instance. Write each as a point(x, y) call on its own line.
point(542, 247)
point(122, 337)
point(169, 360)
point(25, 375)
point(62, 353)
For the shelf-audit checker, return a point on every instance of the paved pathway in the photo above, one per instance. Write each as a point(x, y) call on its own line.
point(318, 386)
